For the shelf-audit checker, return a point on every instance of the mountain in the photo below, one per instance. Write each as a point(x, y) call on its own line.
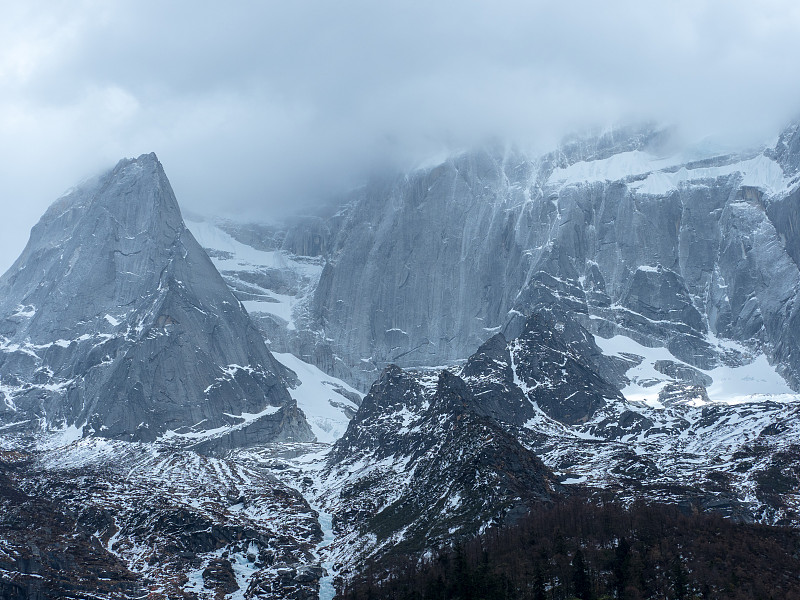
point(682, 250)
point(420, 465)
point(127, 369)
point(609, 319)
point(114, 322)
point(633, 309)
point(432, 458)
point(271, 284)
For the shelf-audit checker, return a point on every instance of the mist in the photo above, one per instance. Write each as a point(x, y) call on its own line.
point(259, 107)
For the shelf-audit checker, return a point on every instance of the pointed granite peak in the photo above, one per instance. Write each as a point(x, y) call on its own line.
point(138, 194)
point(115, 321)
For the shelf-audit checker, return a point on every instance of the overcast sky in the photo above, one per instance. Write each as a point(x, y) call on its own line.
point(253, 107)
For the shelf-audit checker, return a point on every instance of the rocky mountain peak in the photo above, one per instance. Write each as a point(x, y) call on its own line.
point(114, 321)
point(394, 390)
point(787, 149)
point(555, 376)
point(141, 196)
point(492, 355)
point(452, 398)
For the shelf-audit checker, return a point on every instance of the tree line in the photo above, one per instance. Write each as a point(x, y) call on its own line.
point(597, 550)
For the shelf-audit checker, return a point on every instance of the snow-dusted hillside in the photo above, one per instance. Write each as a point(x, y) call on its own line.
point(181, 523)
point(433, 456)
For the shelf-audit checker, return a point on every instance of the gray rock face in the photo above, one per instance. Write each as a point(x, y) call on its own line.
point(787, 150)
point(420, 465)
point(113, 319)
point(683, 373)
point(424, 268)
point(539, 372)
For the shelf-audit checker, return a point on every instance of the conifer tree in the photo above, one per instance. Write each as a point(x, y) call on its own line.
point(621, 565)
point(580, 577)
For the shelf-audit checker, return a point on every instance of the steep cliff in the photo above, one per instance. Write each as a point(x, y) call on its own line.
point(670, 250)
point(113, 321)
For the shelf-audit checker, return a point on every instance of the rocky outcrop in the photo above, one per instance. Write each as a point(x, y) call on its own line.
point(114, 321)
point(48, 554)
point(420, 466)
point(430, 456)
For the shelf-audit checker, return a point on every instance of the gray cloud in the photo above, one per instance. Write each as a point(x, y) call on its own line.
point(257, 106)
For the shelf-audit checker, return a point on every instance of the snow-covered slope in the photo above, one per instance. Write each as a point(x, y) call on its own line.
point(328, 403)
point(750, 379)
point(654, 175)
point(270, 283)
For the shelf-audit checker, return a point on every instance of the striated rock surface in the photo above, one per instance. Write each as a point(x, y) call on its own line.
point(677, 251)
point(114, 322)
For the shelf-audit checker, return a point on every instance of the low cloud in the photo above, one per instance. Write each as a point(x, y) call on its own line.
point(257, 107)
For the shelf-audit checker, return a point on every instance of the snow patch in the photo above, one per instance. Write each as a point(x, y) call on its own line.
point(62, 437)
point(575, 480)
point(326, 589)
point(246, 419)
point(314, 396)
point(238, 256)
point(614, 168)
point(281, 307)
point(757, 381)
point(760, 172)
point(25, 311)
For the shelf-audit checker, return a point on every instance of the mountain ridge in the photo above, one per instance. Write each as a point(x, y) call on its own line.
point(675, 251)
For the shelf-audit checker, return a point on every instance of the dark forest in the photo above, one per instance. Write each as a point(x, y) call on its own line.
point(599, 550)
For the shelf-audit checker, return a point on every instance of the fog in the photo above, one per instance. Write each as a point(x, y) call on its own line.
point(258, 107)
